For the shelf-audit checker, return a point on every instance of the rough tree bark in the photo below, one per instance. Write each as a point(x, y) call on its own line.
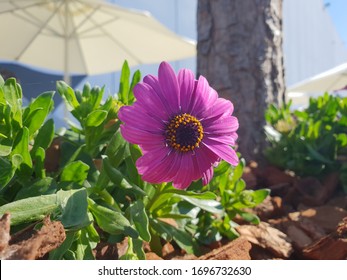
point(240, 53)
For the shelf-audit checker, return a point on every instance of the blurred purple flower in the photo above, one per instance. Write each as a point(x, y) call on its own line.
point(181, 126)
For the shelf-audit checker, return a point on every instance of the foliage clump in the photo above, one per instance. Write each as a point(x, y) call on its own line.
point(311, 142)
point(95, 190)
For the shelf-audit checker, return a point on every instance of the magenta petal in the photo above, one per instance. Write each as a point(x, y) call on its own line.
point(222, 126)
point(153, 165)
point(137, 136)
point(200, 96)
point(207, 176)
point(223, 151)
point(169, 85)
point(156, 89)
point(204, 159)
point(220, 108)
point(150, 101)
point(186, 173)
point(136, 117)
point(163, 171)
point(186, 84)
point(225, 139)
point(156, 155)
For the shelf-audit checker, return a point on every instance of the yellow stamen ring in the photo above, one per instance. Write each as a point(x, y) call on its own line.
point(184, 133)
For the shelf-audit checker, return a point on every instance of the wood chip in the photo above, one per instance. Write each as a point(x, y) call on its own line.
point(330, 247)
point(267, 237)
point(238, 249)
point(49, 237)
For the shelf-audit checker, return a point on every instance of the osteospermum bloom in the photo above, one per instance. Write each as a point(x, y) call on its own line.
point(181, 126)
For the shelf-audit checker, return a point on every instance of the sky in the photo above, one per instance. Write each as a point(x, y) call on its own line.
point(337, 10)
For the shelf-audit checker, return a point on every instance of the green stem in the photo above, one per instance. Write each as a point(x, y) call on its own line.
point(157, 194)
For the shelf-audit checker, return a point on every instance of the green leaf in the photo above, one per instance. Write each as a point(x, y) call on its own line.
point(38, 111)
point(182, 238)
point(237, 174)
point(118, 179)
point(36, 208)
point(68, 94)
point(30, 209)
point(111, 221)
point(83, 248)
point(162, 199)
point(58, 253)
point(13, 95)
point(92, 232)
point(39, 159)
point(21, 147)
point(342, 139)
point(38, 187)
point(139, 217)
point(5, 148)
point(124, 84)
point(259, 195)
point(136, 78)
point(221, 168)
point(138, 249)
point(211, 206)
point(95, 118)
point(316, 155)
point(74, 210)
point(45, 136)
point(7, 172)
point(130, 162)
point(76, 171)
point(86, 93)
point(160, 229)
point(116, 149)
point(239, 186)
point(96, 97)
point(165, 198)
point(204, 195)
point(249, 217)
point(174, 216)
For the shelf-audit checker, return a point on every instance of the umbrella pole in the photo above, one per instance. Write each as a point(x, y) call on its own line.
point(67, 79)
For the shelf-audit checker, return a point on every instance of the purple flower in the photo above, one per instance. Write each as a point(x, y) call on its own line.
point(181, 126)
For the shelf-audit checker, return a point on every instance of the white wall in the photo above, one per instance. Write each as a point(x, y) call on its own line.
point(311, 43)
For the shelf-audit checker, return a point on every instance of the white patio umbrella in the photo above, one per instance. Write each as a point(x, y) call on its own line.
point(331, 80)
point(84, 36)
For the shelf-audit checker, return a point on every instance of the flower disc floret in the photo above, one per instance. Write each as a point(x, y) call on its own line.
point(184, 132)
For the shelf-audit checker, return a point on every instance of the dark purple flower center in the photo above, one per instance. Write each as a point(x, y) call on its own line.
point(184, 133)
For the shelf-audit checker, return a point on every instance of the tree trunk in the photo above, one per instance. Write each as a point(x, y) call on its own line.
point(240, 53)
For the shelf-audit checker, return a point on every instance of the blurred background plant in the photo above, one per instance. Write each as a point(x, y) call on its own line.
point(311, 142)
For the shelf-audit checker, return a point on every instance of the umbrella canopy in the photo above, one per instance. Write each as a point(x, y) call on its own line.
point(331, 80)
point(84, 36)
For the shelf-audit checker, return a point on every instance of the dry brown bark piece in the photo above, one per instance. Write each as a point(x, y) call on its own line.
point(305, 223)
point(4, 233)
point(267, 237)
point(106, 251)
point(327, 217)
point(50, 236)
point(152, 256)
point(237, 249)
point(314, 192)
point(299, 237)
point(330, 247)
